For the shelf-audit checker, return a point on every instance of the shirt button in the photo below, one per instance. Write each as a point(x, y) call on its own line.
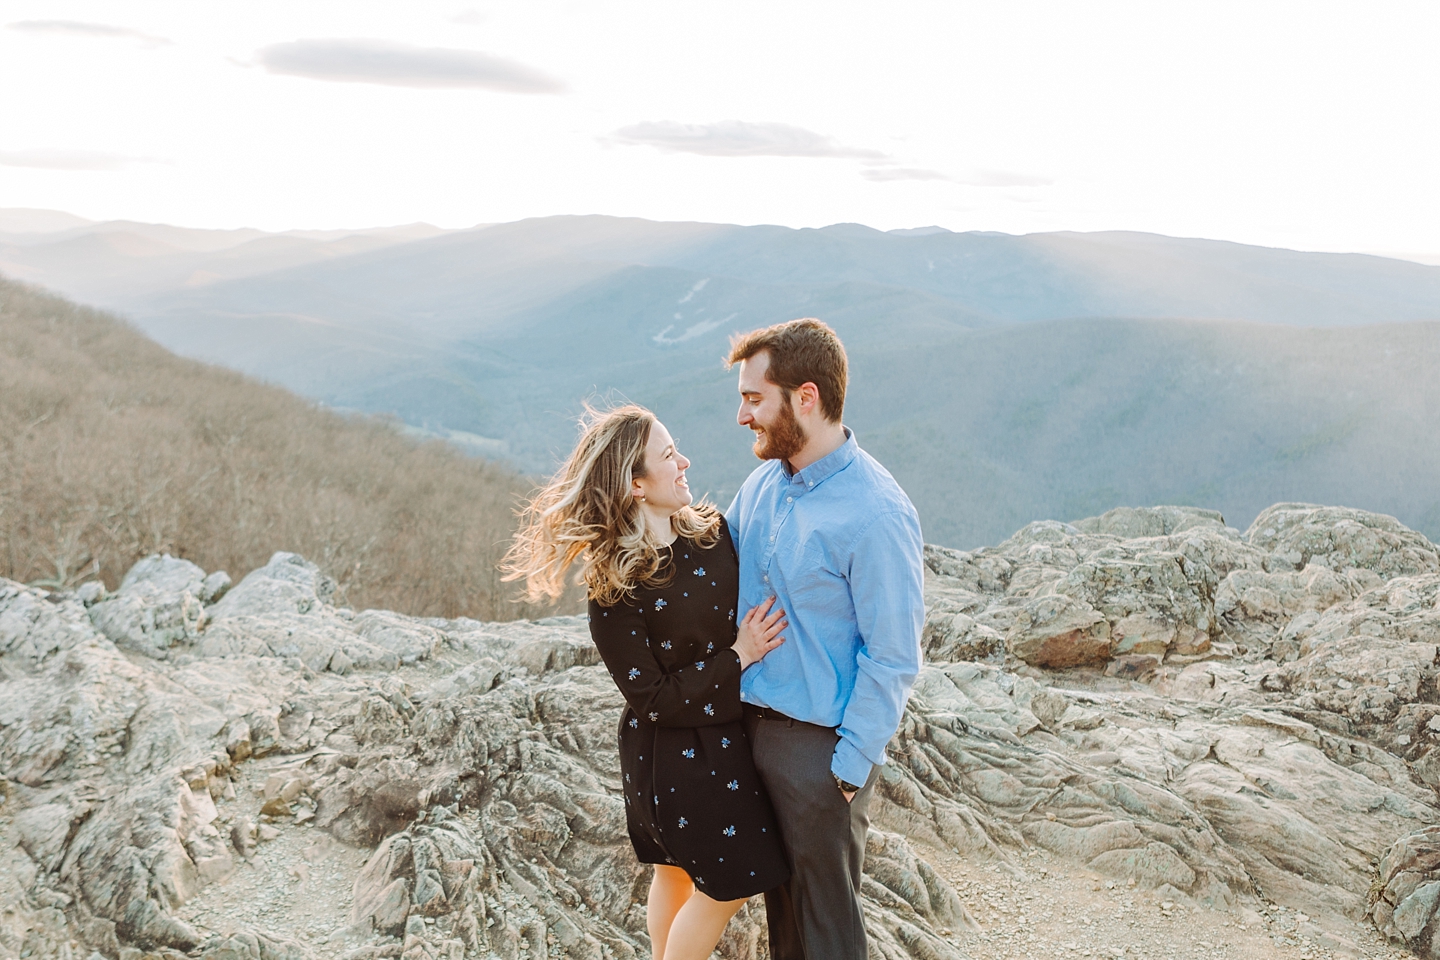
point(772, 538)
point(789, 499)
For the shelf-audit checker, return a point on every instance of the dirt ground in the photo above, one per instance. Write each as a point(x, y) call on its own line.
point(1048, 909)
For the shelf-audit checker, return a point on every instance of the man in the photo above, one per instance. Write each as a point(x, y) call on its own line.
point(826, 529)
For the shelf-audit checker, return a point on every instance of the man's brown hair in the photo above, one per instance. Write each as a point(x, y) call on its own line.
point(801, 351)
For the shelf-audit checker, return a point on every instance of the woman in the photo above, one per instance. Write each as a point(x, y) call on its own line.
point(662, 579)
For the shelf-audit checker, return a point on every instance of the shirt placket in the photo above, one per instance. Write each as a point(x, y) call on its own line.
point(785, 500)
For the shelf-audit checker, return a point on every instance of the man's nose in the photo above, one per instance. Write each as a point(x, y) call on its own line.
point(742, 416)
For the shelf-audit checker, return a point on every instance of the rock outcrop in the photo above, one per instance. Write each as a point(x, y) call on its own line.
point(1229, 719)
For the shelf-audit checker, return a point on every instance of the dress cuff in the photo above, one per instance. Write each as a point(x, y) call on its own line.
point(849, 764)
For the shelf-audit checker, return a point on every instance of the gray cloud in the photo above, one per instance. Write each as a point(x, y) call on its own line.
point(885, 174)
point(77, 28)
point(402, 65)
point(738, 138)
point(64, 160)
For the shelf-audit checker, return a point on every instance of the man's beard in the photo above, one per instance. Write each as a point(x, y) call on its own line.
point(782, 439)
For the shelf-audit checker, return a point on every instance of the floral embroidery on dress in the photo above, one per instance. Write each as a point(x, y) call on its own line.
point(654, 716)
point(683, 822)
point(665, 645)
point(724, 742)
point(699, 664)
point(699, 571)
point(688, 753)
point(733, 785)
point(729, 831)
point(660, 604)
point(709, 709)
point(634, 672)
point(634, 724)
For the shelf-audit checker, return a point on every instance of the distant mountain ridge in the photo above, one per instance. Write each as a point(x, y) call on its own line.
point(1059, 374)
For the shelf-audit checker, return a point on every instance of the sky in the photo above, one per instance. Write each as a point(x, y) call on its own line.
point(1313, 125)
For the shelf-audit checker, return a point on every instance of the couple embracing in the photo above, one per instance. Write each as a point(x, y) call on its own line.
point(764, 654)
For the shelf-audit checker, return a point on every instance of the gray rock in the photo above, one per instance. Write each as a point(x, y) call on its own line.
point(91, 592)
point(146, 619)
point(1406, 893)
point(289, 585)
point(1060, 631)
point(214, 587)
point(1341, 538)
point(166, 573)
point(1146, 695)
point(1135, 522)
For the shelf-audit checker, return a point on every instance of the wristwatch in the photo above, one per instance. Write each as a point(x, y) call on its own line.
point(845, 785)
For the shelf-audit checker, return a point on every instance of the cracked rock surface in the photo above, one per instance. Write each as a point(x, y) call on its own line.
point(1236, 722)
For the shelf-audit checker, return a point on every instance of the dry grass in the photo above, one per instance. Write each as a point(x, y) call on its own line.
point(112, 448)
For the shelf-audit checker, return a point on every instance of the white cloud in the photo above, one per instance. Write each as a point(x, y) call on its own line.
point(64, 160)
point(77, 28)
point(739, 138)
point(885, 174)
point(1000, 178)
point(403, 65)
point(975, 178)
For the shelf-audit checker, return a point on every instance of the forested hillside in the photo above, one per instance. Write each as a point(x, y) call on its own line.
point(112, 448)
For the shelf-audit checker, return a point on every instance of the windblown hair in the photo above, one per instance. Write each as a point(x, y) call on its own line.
point(586, 514)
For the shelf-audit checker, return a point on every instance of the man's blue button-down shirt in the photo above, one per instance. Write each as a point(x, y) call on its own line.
point(838, 544)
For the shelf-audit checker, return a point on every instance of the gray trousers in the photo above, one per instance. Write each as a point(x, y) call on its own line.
point(816, 915)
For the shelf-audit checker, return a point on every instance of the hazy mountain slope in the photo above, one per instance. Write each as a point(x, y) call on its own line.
point(1063, 419)
point(116, 263)
point(33, 220)
point(501, 332)
point(1008, 278)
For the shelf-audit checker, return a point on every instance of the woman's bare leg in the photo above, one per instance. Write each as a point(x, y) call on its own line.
point(697, 927)
point(669, 891)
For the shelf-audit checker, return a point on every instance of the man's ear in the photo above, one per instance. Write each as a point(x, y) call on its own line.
point(807, 397)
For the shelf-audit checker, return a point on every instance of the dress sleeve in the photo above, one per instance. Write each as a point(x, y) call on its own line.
point(698, 694)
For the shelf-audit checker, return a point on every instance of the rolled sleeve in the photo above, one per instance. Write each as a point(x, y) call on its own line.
point(887, 583)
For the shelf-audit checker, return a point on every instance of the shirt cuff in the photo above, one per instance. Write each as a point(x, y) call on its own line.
point(849, 764)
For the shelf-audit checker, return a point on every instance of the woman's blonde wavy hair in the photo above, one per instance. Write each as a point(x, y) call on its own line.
point(586, 514)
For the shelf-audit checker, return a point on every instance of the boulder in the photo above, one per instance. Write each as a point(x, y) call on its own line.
point(1059, 631)
point(1406, 894)
point(1341, 538)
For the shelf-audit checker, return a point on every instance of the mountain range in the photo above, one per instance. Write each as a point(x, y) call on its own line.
point(1001, 378)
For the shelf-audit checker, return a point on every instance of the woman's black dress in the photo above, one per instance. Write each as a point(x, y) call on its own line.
point(692, 796)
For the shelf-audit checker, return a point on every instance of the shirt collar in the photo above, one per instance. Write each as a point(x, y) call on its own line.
point(828, 465)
